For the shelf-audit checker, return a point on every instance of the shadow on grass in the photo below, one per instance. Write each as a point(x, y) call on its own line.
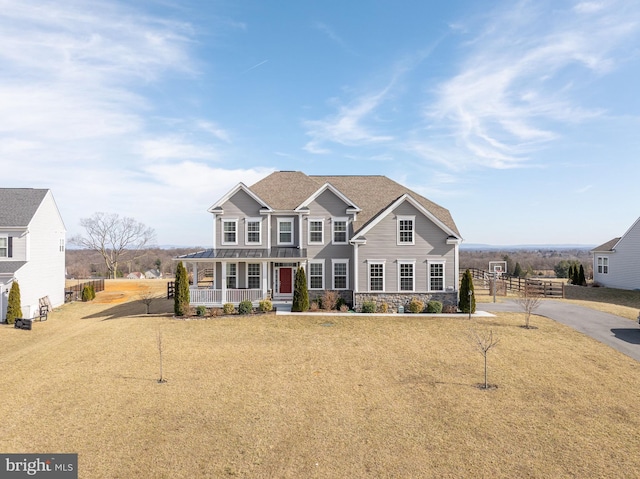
point(629, 335)
point(132, 309)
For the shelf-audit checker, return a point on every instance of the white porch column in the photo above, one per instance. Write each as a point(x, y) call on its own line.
point(264, 282)
point(355, 268)
point(223, 281)
point(195, 275)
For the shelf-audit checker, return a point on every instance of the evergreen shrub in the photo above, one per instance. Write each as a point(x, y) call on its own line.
point(245, 307)
point(434, 307)
point(369, 307)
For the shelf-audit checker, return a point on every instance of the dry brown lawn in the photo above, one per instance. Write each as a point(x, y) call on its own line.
point(315, 396)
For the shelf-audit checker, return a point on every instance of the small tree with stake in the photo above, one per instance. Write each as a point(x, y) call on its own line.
point(484, 342)
point(529, 302)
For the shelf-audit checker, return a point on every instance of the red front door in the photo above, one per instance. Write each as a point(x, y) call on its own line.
point(285, 281)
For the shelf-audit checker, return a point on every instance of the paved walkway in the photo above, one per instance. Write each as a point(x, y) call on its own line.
point(619, 333)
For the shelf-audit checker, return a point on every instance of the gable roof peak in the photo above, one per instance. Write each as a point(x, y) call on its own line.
point(19, 205)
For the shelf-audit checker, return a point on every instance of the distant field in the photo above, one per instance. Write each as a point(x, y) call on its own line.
point(303, 397)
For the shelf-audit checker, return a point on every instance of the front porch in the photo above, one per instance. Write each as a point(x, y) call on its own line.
point(217, 297)
point(235, 275)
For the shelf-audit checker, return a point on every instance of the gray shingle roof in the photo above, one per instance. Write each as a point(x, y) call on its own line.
point(10, 267)
point(18, 205)
point(608, 246)
point(286, 190)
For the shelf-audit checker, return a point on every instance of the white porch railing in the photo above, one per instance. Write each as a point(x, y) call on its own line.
point(213, 297)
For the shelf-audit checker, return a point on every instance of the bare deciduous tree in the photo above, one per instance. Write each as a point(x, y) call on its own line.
point(115, 238)
point(529, 302)
point(147, 296)
point(484, 342)
point(160, 351)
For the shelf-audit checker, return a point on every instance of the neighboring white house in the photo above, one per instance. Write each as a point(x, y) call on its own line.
point(153, 274)
point(616, 263)
point(32, 249)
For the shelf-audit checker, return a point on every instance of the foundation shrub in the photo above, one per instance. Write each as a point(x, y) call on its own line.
point(368, 307)
point(449, 309)
point(415, 306)
point(245, 307)
point(329, 300)
point(434, 307)
point(265, 306)
point(228, 308)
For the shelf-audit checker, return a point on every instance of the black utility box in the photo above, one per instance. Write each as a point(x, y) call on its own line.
point(22, 323)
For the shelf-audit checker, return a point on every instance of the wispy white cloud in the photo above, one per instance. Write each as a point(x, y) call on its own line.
point(333, 36)
point(78, 113)
point(511, 95)
point(175, 148)
point(255, 66)
point(347, 126)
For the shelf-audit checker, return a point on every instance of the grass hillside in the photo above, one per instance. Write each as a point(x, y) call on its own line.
point(311, 396)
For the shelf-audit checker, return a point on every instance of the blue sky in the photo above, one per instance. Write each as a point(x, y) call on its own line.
point(522, 118)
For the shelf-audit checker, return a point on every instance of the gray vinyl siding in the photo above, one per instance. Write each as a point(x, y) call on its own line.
point(327, 206)
point(624, 262)
point(19, 244)
point(430, 244)
point(296, 229)
point(241, 206)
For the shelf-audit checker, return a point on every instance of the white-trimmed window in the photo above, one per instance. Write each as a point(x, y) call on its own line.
point(316, 231)
point(376, 275)
point(436, 275)
point(406, 275)
point(285, 231)
point(340, 269)
point(603, 265)
point(229, 231)
point(232, 275)
point(406, 229)
point(339, 230)
point(4, 246)
point(61, 245)
point(253, 275)
point(253, 231)
point(316, 274)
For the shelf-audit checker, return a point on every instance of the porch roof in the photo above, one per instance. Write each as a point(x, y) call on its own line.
point(245, 253)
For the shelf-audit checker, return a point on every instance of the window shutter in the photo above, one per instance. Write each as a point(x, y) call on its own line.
point(10, 247)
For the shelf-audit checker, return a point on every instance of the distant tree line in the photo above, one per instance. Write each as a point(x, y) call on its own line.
point(85, 263)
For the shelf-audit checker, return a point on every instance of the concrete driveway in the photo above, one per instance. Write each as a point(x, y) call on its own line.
point(619, 333)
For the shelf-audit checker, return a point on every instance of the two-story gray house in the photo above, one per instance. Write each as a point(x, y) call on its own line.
point(366, 237)
point(32, 249)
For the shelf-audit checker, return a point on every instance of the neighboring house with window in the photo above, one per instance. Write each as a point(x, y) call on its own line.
point(32, 249)
point(616, 263)
point(366, 237)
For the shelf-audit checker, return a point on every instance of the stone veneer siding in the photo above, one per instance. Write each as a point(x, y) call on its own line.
point(395, 300)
